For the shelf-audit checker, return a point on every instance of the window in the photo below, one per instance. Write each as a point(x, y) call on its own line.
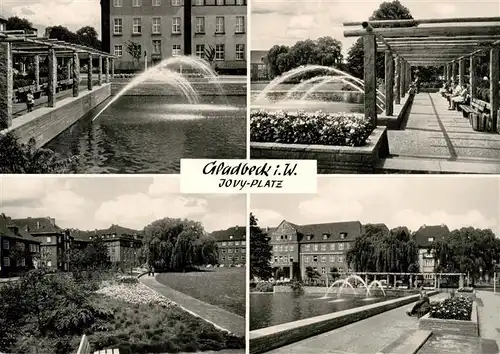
point(49, 239)
point(306, 259)
point(430, 239)
point(275, 259)
point(6, 244)
point(219, 52)
point(323, 247)
point(290, 248)
point(118, 51)
point(117, 26)
point(49, 263)
point(236, 243)
point(290, 237)
point(332, 247)
point(156, 25)
point(176, 25)
point(343, 235)
point(219, 24)
point(315, 258)
point(243, 243)
point(21, 246)
point(240, 24)
point(176, 2)
point(6, 261)
point(315, 247)
point(156, 2)
point(220, 2)
point(230, 243)
point(243, 257)
point(21, 262)
point(286, 248)
point(240, 2)
point(323, 270)
point(200, 2)
point(235, 250)
point(223, 251)
point(176, 50)
point(117, 3)
point(325, 236)
point(137, 27)
point(308, 247)
point(341, 259)
point(136, 3)
point(281, 248)
point(240, 55)
point(341, 246)
point(332, 259)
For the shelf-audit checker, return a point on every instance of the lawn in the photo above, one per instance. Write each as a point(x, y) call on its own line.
point(222, 287)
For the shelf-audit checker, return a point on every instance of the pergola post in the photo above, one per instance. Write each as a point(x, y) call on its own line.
point(68, 68)
point(6, 85)
point(36, 60)
point(494, 86)
point(448, 79)
point(403, 78)
point(389, 83)
point(76, 74)
point(398, 80)
point(106, 63)
point(112, 68)
point(445, 72)
point(461, 72)
point(472, 77)
point(52, 78)
point(370, 78)
point(99, 74)
point(408, 77)
point(89, 74)
point(454, 71)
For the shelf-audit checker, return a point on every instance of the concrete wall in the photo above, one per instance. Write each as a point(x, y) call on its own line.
point(461, 328)
point(203, 89)
point(44, 124)
point(330, 159)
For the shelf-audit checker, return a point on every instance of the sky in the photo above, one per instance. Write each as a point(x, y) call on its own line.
point(98, 202)
point(73, 14)
point(410, 201)
point(288, 21)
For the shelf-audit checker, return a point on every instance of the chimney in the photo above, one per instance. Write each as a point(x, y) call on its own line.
point(52, 221)
point(267, 228)
point(236, 227)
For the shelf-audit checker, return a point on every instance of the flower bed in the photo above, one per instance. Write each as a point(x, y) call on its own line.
point(340, 129)
point(134, 294)
point(457, 308)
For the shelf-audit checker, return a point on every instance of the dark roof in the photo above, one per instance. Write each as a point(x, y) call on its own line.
point(9, 229)
point(257, 56)
point(2, 18)
point(238, 233)
point(425, 231)
point(353, 229)
point(117, 230)
point(39, 225)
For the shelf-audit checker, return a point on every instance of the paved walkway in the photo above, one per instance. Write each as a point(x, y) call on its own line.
point(433, 131)
point(213, 314)
point(489, 315)
point(363, 337)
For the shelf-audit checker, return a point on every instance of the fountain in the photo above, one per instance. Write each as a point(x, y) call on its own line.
point(345, 282)
point(328, 74)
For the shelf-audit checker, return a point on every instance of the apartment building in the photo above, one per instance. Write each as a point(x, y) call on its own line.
point(231, 245)
point(3, 23)
point(319, 246)
point(258, 66)
point(55, 241)
point(19, 251)
point(424, 237)
point(214, 30)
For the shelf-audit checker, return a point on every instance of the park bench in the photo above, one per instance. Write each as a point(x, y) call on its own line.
point(479, 114)
point(84, 348)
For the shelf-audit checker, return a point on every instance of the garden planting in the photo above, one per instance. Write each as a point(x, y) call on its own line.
point(456, 308)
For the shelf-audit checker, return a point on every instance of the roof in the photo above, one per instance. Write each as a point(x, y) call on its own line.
point(438, 232)
point(39, 225)
point(112, 230)
point(6, 226)
point(353, 229)
point(238, 233)
point(2, 18)
point(256, 56)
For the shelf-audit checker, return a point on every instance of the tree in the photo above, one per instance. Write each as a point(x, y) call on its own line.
point(334, 272)
point(178, 245)
point(61, 33)
point(94, 257)
point(27, 158)
point(260, 252)
point(17, 23)
point(210, 55)
point(87, 36)
point(135, 50)
point(392, 10)
point(311, 274)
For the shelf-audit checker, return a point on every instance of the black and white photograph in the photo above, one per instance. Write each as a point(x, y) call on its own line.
point(120, 266)
point(377, 87)
point(121, 86)
point(377, 265)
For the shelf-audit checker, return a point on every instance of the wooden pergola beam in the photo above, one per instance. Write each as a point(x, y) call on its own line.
point(442, 38)
point(426, 21)
point(428, 31)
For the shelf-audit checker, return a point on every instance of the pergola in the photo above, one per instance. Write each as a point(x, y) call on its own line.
point(21, 44)
point(428, 42)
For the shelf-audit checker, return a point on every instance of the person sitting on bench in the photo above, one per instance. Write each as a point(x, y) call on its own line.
point(424, 299)
point(445, 89)
point(459, 98)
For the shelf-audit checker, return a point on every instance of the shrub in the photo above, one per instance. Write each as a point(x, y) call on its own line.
point(457, 308)
point(297, 287)
point(465, 290)
point(339, 129)
point(264, 287)
point(128, 280)
point(27, 158)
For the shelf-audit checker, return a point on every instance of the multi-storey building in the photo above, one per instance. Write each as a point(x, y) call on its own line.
point(123, 243)
point(231, 245)
point(3, 23)
point(55, 241)
point(258, 65)
point(213, 27)
point(424, 237)
point(19, 250)
point(319, 246)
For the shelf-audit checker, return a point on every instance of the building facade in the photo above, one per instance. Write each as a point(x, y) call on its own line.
point(3, 23)
point(319, 246)
point(19, 251)
point(231, 244)
point(424, 237)
point(258, 65)
point(215, 29)
point(55, 241)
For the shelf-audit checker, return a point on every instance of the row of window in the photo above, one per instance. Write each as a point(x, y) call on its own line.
point(220, 54)
point(233, 258)
point(138, 3)
point(220, 25)
point(324, 247)
point(20, 262)
point(338, 259)
point(283, 259)
point(224, 243)
point(21, 246)
point(230, 250)
point(343, 235)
